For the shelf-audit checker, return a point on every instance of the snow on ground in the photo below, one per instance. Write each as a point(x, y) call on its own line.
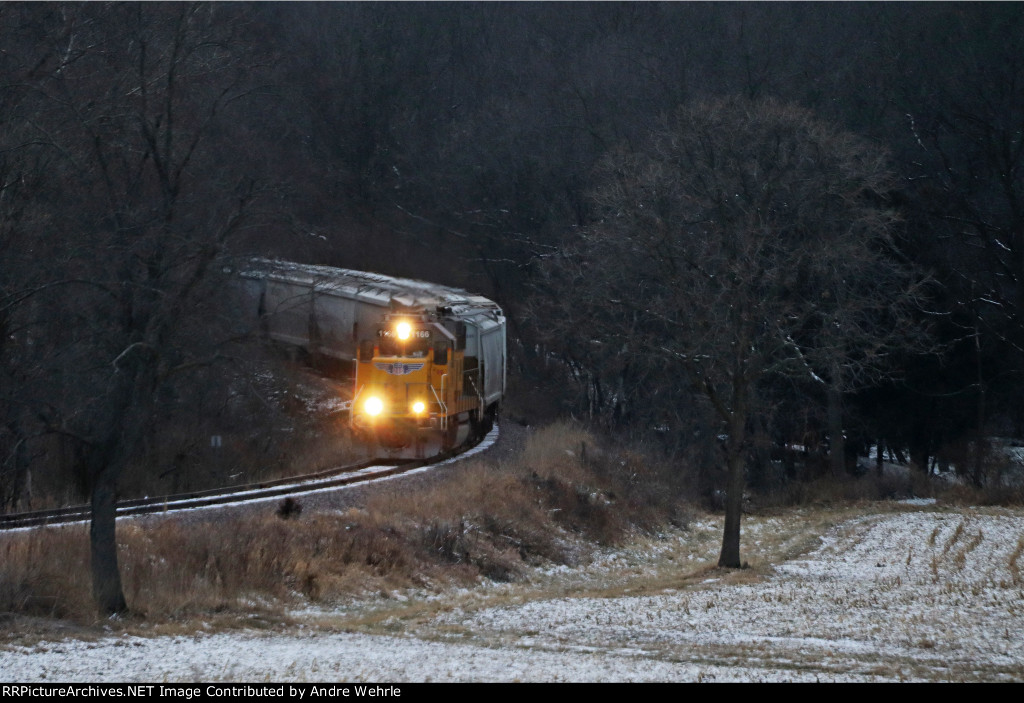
point(903, 596)
point(917, 595)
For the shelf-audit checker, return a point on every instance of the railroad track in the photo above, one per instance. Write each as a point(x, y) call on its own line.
point(363, 472)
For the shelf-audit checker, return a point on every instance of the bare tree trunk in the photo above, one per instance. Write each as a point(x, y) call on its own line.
point(106, 576)
point(131, 404)
point(919, 452)
point(16, 482)
point(978, 468)
point(837, 442)
point(730, 556)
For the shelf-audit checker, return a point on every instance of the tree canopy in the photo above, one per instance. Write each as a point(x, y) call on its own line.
point(746, 240)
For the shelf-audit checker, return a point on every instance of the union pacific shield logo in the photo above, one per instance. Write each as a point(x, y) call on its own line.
point(398, 368)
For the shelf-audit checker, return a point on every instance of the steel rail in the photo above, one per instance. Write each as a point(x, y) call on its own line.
point(242, 493)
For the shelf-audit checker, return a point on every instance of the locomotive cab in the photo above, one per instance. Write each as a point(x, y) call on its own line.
point(409, 385)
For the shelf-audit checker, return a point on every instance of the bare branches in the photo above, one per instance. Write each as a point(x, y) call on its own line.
point(111, 279)
point(747, 241)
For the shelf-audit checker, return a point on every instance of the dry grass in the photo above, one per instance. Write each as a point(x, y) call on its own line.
point(559, 500)
point(1013, 563)
point(551, 504)
point(46, 573)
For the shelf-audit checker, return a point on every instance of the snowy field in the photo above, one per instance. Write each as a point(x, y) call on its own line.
point(932, 596)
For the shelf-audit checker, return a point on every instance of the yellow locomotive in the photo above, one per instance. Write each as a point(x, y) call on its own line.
point(428, 373)
point(428, 361)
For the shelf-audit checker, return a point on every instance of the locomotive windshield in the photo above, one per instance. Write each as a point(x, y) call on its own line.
point(403, 342)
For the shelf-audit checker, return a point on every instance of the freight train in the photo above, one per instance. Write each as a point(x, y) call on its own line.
point(427, 361)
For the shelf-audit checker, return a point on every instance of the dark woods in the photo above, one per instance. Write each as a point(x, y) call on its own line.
point(777, 223)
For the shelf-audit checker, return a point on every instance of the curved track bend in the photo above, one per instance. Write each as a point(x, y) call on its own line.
point(364, 472)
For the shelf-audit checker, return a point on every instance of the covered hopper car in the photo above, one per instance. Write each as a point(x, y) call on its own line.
point(428, 361)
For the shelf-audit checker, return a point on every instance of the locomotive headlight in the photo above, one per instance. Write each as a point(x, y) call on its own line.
point(403, 330)
point(418, 407)
point(373, 406)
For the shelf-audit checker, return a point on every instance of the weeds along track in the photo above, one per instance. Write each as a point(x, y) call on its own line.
point(363, 472)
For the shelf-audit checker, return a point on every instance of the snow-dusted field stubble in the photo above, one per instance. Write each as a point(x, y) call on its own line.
point(930, 595)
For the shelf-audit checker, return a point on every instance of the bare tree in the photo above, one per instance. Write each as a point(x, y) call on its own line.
point(747, 241)
point(964, 130)
point(128, 104)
